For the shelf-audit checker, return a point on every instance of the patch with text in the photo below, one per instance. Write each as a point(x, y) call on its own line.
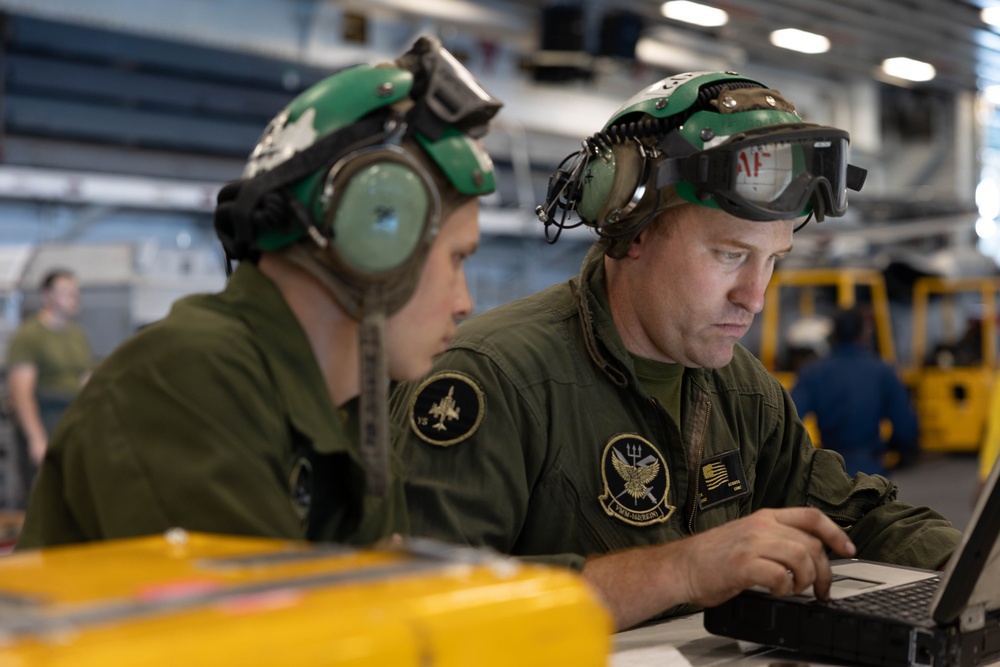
point(721, 478)
point(636, 481)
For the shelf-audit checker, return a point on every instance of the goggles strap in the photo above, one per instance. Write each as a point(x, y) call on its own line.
point(856, 177)
point(669, 171)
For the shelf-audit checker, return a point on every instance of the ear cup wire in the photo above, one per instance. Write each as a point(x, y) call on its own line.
point(563, 193)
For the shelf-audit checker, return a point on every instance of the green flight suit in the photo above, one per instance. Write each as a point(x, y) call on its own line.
point(531, 435)
point(215, 419)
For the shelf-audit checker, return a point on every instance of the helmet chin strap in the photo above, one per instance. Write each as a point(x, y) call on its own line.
point(371, 311)
point(374, 414)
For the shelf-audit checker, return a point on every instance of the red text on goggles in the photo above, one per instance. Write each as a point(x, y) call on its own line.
point(771, 173)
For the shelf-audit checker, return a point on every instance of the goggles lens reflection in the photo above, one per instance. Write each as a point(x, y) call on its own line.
point(763, 171)
point(772, 173)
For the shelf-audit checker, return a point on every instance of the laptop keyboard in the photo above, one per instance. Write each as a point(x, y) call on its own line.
point(909, 602)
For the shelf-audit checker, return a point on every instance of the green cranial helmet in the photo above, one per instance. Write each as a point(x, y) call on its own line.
point(369, 160)
point(350, 183)
point(714, 139)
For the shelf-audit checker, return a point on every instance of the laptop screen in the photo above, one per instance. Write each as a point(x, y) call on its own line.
point(971, 578)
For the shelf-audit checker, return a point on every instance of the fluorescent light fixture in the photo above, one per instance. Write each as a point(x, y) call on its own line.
point(991, 95)
point(18, 182)
point(988, 199)
point(692, 12)
point(800, 40)
point(909, 69)
point(986, 228)
point(991, 15)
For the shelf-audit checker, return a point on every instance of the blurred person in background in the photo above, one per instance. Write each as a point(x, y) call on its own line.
point(48, 361)
point(261, 410)
point(853, 395)
point(612, 423)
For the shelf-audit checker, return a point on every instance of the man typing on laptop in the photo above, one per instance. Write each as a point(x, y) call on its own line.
point(613, 423)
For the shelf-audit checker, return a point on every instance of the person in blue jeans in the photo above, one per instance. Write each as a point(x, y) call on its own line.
point(851, 391)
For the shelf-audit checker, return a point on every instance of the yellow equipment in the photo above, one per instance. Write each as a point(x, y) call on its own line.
point(951, 376)
point(197, 599)
point(848, 286)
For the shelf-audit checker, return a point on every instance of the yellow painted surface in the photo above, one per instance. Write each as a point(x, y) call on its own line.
point(224, 600)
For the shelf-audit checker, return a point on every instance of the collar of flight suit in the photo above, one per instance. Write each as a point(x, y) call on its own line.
point(291, 362)
point(599, 332)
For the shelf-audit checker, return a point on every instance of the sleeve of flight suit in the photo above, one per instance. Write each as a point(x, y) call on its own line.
point(793, 473)
point(195, 443)
point(472, 447)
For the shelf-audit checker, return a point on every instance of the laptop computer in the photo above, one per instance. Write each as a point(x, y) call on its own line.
point(880, 614)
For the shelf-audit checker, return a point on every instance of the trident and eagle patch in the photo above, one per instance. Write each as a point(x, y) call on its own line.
point(636, 481)
point(448, 408)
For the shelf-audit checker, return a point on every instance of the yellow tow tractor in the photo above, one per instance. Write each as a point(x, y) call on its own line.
point(953, 359)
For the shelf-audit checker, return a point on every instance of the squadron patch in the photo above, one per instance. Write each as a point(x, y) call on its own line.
point(447, 408)
point(636, 481)
point(721, 478)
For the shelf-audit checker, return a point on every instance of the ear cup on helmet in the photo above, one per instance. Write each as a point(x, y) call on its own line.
point(381, 211)
point(380, 218)
point(612, 185)
point(595, 187)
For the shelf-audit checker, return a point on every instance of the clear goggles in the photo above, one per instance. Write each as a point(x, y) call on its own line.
point(771, 173)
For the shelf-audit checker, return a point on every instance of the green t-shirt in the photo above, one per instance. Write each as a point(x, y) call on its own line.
point(61, 356)
point(662, 381)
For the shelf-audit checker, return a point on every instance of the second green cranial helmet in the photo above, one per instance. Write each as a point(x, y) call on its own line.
point(350, 182)
point(360, 169)
point(714, 139)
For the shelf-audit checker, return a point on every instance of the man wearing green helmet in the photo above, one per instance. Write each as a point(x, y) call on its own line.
point(261, 410)
point(613, 423)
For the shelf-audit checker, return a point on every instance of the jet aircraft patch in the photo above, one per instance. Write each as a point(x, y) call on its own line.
point(636, 481)
point(447, 408)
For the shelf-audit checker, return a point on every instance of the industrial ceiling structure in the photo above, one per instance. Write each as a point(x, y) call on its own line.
point(562, 66)
point(949, 34)
point(121, 119)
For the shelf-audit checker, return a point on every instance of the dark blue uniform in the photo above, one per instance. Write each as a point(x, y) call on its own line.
point(851, 391)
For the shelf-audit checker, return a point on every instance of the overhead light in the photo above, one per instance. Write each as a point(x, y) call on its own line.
point(988, 199)
point(692, 12)
point(991, 15)
point(909, 69)
point(991, 94)
point(800, 40)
